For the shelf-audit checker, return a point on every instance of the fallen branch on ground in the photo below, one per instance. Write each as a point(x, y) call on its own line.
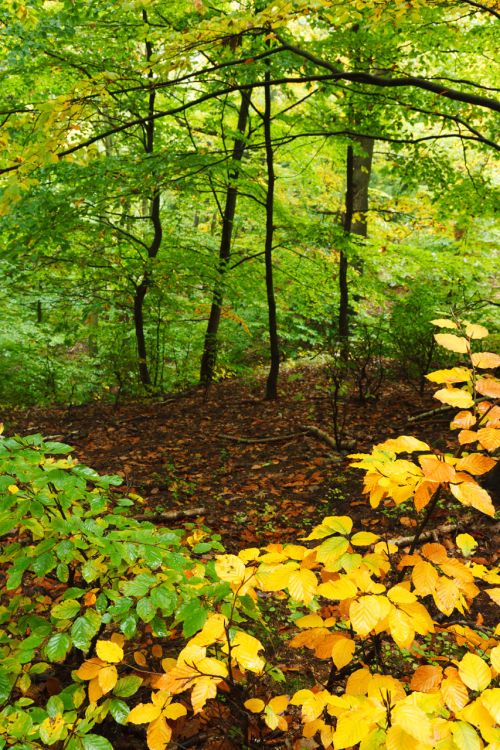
point(171, 515)
point(429, 413)
point(263, 439)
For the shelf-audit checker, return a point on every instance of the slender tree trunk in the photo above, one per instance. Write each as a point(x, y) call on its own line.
point(209, 357)
point(272, 378)
point(155, 244)
point(358, 171)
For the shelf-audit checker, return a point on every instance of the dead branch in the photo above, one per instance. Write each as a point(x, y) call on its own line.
point(263, 439)
point(171, 515)
point(429, 413)
point(320, 434)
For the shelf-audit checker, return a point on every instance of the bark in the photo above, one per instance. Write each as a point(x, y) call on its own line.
point(209, 357)
point(272, 378)
point(358, 171)
point(142, 288)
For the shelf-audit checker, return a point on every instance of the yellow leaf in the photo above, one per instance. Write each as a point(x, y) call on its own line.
point(357, 682)
point(13, 489)
point(213, 631)
point(474, 672)
point(90, 669)
point(275, 579)
point(312, 704)
point(495, 658)
point(454, 691)
point(474, 331)
point(466, 544)
point(174, 711)
point(426, 679)
point(364, 614)
point(403, 444)
point(230, 568)
point(279, 703)
point(476, 463)
point(108, 677)
point(295, 551)
point(364, 539)
point(351, 729)
point(343, 651)
point(302, 585)
point(109, 651)
point(465, 737)
point(412, 719)
point(144, 713)
point(420, 618)
point(444, 323)
point(401, 629)
point(248, 554)
point(244, 649)
point(211, 667)
point(491, 700)
point(452, 343)
point(255, 705)
point(331, 525)
point(485, 360)
point(338, 590)
point(471, 494)
point(400, 595)
point(447, 595)
point(453, 375)
point(159, 734)
point(398, 739)
point(203, 690)
point(309, 621)
point(454, 397)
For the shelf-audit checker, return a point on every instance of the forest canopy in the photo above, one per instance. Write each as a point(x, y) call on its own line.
point(192, 189)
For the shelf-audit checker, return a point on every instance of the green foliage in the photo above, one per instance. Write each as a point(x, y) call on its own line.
point(98, 602)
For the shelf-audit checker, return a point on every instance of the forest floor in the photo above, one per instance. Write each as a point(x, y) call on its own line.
point(259, 479)
point(184, 451)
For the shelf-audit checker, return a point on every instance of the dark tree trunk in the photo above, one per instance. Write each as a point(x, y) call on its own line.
point(272, 378)
point(358, 171)
point(142, 355)
point(209, 357)
point(155, 244)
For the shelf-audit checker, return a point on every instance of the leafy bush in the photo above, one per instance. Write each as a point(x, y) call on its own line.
point(96, 603)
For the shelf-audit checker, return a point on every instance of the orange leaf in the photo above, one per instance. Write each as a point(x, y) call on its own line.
point(470, 493)
point(426, 679)
point(467, 436)
point(485, 360)
point(436, 470)
point(476, 464)
point(489, 438)
point(435, 552)
point(489, 387)
point(463, 420)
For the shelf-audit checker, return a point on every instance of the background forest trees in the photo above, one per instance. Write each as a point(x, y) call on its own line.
point(171, 173)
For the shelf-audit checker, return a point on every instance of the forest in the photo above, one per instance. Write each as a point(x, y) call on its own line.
point(249, 375)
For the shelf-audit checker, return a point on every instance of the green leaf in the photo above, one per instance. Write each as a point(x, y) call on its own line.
point(84, 629)
point(119, 710)
point(127, 686)
point(96, 742)
point(164, 597)
point(146, 609)
point(66, 610)
point(57, 647)
point(129, 626)
point(139, 586)
point(193, 615)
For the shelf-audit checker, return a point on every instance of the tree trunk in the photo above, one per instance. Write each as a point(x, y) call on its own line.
point(209, 357)
point(358, 171)
point(155, 244)
point(272, 378)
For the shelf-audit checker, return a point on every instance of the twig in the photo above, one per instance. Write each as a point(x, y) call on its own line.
point(171, 515)
point(429, 413)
